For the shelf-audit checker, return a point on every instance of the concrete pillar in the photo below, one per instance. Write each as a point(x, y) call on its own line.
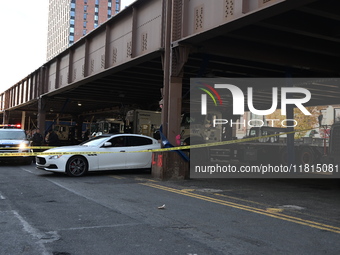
point(166, 64)
point(169, 165)
point(41, 115)
point(79, 125)
point(5, 117)
point(174, 109)
point(290, 116)
point(290, 137)
point(23, 119)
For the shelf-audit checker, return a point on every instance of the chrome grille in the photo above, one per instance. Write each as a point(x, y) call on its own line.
point(40, 160)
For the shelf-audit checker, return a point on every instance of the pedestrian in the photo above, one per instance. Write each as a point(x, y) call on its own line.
point(86, 135)
point(53, 139)
point(28, 134)
point(36, 141)
point(37, 138)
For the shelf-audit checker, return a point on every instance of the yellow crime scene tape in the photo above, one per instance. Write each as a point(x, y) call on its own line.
point(186, 147)
point(27, 148)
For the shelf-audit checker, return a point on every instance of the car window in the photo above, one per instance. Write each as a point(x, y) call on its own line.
point(118, 141)
point(138, 141)
point(96, 141)
point(253, 133)
point(12, 135)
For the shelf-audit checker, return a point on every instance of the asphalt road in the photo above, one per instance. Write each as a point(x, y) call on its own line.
point(117, 213)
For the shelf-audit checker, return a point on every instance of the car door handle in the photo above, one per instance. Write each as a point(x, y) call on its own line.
point(121, 151)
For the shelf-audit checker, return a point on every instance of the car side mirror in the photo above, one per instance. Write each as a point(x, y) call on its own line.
point(107, 144)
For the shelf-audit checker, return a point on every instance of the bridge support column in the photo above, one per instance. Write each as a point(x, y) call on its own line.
point(290, 137)
point(5, 117)
point(169, 164)
point(41, 115)
point(79, 130)
point(290, 124)
point(174, 109)
point(23, 120)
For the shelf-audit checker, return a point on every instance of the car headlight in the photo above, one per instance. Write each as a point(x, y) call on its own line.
point(23, 146)
point(54, 156)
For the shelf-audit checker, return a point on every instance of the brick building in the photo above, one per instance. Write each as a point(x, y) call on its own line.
point(69, 20)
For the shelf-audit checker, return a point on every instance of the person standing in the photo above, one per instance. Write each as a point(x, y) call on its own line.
point(53, 139)
point(28, 134)
point(37, 138)
point(37, 141)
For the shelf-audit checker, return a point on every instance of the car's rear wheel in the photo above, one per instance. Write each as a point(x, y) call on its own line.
point(76, 166)
point(307, 156)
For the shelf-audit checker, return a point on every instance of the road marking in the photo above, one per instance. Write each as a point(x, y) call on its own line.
point(102, 226)
point(136, 178)
point(240, 199)
point(151, 180)
point(36, 233)
point(274, 210)
point(117, 177)
point(26, 170)
point(281, 207)
point(144, 179)
point(187, 190)
point(276, 215)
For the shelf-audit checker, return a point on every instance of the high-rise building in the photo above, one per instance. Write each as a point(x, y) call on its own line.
point(69, 20)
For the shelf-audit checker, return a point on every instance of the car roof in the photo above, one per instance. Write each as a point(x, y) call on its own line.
point(11, 129)
point(125, 134)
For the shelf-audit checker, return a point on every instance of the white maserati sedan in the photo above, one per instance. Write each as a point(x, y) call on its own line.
point(105, 152)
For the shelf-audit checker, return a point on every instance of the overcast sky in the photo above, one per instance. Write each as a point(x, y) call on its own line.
point(24, 38)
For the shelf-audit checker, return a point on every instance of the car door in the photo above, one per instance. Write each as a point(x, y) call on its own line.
point(139, 159)
point(112, 157)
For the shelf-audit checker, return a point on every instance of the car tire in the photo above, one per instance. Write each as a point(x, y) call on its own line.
point(76, 166)
point(306, 156)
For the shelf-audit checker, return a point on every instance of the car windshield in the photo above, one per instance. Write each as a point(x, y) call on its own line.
point(12, 135)
point(96, 141)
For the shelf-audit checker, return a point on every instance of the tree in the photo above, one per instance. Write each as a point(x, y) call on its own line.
point(304, 122)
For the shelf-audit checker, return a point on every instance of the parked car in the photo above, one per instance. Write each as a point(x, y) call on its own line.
point(313, 133)
point(13, 140)
point(100, 153)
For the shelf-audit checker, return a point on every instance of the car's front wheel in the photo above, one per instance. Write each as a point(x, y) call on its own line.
point(76, 166)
